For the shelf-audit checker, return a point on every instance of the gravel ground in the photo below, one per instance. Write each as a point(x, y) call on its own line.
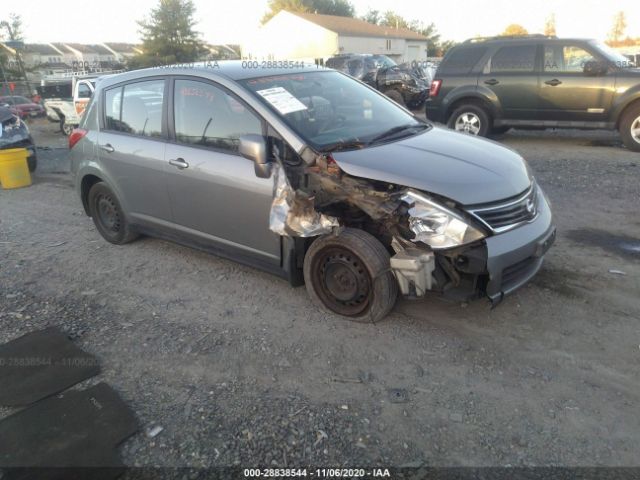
point(239, 368)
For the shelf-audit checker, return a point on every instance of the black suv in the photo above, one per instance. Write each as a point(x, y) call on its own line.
point(489, 85)
point(405, 84)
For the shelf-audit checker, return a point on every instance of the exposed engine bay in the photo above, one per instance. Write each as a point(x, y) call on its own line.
point(315, 197)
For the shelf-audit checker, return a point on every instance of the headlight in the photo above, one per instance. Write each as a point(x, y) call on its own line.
point(436, 225)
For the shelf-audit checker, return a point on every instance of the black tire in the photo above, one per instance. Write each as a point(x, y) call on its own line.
point(349, 274)
point(107, 215)
point(396, 96)
point(32, 162)
point(630, 128)
point(65, 128)
point(478, 120)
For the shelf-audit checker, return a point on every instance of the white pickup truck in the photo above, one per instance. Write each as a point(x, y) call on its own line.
point(66, 96)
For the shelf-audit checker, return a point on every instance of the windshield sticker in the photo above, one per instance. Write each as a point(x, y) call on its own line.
point(282, 100)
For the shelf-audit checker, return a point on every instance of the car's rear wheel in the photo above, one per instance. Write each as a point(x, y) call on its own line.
point(471, 119)
point(349, 274)
point(396, 96)
point(65, 127)
point(107, 215)
point(630, 128)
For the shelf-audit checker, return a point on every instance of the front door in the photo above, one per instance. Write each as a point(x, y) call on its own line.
point(213, 190)
point(566, 92)
point(511, 75)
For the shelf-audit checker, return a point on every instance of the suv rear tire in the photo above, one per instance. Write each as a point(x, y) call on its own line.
point(107, 215)
point(470, 118)
point(349, 274)
point(396, 96)
point(630, 128)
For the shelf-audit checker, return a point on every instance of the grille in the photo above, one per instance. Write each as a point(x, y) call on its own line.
point(511, 213)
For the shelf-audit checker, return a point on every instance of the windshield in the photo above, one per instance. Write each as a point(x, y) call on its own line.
point(616, 58)
point(328, 109)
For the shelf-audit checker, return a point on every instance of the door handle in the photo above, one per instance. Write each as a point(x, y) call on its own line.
point(554, 83)
point(107, 148)
point(492, 81)
point(179, 162)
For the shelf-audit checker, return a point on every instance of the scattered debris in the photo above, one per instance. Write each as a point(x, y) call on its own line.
point(320, 436)
point(57, 244)
point(455, 417)
point(155, 431)
point(617, 272)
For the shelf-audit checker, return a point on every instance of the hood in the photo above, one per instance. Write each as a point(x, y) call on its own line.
point(463, 168)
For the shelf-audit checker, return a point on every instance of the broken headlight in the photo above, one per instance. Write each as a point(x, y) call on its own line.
point(436, 225)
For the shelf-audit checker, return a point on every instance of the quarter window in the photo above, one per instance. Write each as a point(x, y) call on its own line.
point(208, 116)
point(517, 58)
point(565, 58)
point(135, 108)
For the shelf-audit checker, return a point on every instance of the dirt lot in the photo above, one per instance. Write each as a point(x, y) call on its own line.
point(238, 367)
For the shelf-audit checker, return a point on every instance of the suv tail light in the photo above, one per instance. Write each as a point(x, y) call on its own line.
point(435, 88)
point(76, 136)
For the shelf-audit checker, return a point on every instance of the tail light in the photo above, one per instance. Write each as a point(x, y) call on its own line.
point(76, 136)
point(435, 88)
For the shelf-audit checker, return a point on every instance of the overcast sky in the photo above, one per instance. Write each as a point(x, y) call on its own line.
point(227, 21)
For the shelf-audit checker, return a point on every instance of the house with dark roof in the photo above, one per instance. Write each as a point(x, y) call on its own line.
point(311, 36)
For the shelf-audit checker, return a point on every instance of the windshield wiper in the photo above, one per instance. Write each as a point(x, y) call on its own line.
point(344, 145)
point(400, 128)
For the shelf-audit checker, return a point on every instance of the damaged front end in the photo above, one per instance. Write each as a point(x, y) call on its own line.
point(432, 247)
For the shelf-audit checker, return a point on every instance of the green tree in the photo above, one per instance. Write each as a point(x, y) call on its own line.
point(514, 30)
point(12, 30)
point(168, 35)
point(372, 16)
point(341, 8)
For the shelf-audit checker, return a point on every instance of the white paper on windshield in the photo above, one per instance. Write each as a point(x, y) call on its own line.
point(282, 100)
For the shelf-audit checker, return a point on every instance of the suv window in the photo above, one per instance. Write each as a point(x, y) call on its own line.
point(462, 60)
point(135, 108)
point(208, 116)
point(84, 91)
point(514, 58)
point(565, 58)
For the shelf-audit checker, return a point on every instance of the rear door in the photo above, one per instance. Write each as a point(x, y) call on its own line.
point(132, 144)
point(214, 191)
point(511, 75)
point(566, 92)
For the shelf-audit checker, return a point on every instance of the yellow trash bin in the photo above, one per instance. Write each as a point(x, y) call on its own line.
point(14, 171)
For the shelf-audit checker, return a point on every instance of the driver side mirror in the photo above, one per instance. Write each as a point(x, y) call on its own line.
point(594, 69)
point(254, 147)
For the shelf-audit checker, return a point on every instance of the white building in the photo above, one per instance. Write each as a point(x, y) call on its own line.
point(313, 37)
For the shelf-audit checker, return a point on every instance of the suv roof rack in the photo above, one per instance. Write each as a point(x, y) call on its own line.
point(507, 37)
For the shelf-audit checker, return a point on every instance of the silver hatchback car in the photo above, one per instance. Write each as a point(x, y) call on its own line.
point(312, 175)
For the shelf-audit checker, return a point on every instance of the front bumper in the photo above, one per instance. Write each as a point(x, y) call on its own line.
point(514, 257)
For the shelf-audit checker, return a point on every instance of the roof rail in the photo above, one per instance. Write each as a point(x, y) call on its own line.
point(507, 37)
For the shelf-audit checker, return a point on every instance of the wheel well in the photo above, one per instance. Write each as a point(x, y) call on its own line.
point(88, 181)
point(469, 101)
point(632, 104)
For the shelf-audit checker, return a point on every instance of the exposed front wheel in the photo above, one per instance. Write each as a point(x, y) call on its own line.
point(471, 119)
point(349, 274)
point(630, 128)
point(108, 216)
point(65, 128)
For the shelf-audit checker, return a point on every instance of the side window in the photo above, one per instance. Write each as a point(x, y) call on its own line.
point(462, 60)
point(142, 108)
point(84, 91)
point(112, 102)
point(565, 58)
point(206, 115)
point(514, 59)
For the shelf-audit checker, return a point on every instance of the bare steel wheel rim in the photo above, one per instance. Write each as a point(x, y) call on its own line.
point(468, 122)
point(342, 281)
point(635, 130)
point(108, 213)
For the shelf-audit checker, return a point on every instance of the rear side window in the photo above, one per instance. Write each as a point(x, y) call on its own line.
point(207, 116)
point(515, 58)
point(462, 60)
point(135, 108)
